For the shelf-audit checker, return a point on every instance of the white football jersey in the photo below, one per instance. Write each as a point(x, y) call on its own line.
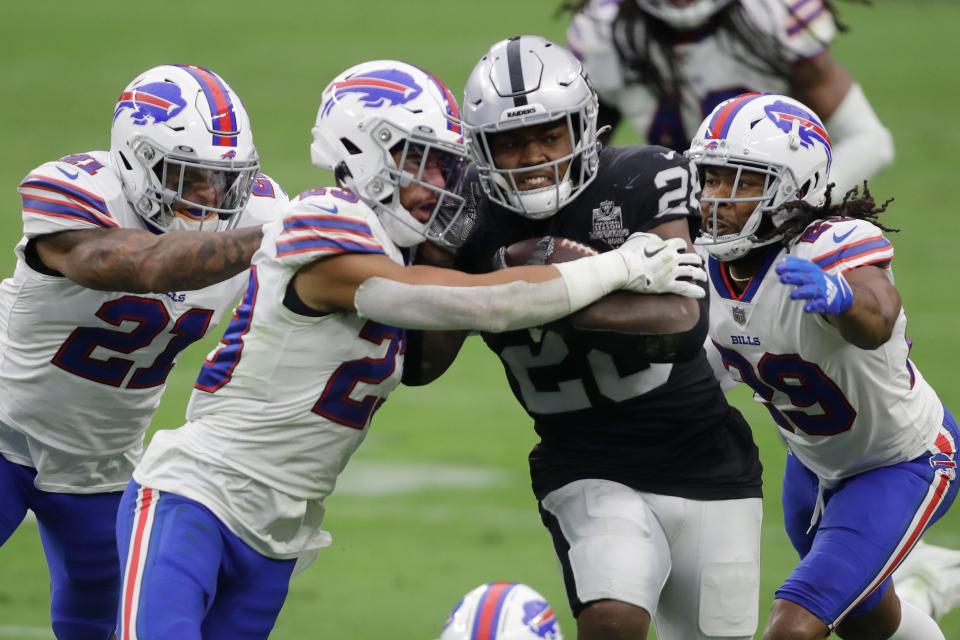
point(286, 398)
point(82, 371)
point(841, 409)
point(709, 62)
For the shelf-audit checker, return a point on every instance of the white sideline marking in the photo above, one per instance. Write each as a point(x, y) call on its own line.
point(382, 479)
point(9, 631)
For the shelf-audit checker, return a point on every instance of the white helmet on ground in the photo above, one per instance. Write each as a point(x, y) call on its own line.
point(377, 117)
point(768, 134)
point(178, 131)
point(683, 15)
point(524, 81)
point(502, 611)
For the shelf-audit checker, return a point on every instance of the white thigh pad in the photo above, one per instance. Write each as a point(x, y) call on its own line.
point(618, 549)
point(714, 587)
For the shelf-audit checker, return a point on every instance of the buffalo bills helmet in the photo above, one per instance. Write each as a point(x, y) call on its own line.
point(683, 15)
point(384, 126)
point(772, 135)
point(182, 147)
point(526, 81)
point(502, 611)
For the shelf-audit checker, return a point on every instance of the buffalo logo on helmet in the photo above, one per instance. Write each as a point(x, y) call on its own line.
point(539, 618)
point(375, 89)
point(151, 102)
point(810, 131)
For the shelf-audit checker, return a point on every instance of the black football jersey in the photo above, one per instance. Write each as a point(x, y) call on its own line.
point(599, 409)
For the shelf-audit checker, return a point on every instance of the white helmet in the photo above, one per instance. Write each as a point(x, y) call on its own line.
point(376, 110)
point(177, 128)
point(524, 81)
point(502, 611)
point(685, 14)
point(769, 134)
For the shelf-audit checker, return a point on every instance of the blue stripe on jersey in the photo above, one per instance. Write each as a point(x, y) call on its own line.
point(329, 245)
point(57, 209)
point(326, 223)
point(851, 251)
point(49, 185)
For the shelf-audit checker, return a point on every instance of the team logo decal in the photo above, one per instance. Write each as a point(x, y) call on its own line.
point(608, 224)
point(809, 129)
point(539, 618)
point(152, 102)
point(376, 88)
point(945, 464)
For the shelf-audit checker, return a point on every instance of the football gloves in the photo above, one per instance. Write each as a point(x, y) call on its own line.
point(656, 265)
point(825, 294)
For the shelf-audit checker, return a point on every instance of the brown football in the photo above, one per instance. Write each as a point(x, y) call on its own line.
point(545, 250)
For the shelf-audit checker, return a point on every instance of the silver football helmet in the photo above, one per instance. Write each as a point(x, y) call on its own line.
point(683, 15)
point(524, 81)
point(182, 147)
point(772, 135)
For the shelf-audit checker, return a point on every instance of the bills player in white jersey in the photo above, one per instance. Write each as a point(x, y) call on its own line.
point(663, 65)
point(220, 508)
point(118, 271)
point(805, 312)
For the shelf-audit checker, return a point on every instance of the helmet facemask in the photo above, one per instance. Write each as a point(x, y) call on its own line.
point(761, 227)
point(568, 173)
point(172, 197)
point(406, 164)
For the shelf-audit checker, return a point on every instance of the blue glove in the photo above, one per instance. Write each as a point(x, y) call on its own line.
point(827, 294)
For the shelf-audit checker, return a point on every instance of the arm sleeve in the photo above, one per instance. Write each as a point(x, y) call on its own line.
point(862, 146)
point(493, 308)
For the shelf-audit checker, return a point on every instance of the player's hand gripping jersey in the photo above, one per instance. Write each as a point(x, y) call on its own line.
point(601, 410)
point(287, 396)
point(843, 410)
point(82, 371)
point(712, 65)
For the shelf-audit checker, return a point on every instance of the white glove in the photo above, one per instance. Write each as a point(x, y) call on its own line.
point(656, 265)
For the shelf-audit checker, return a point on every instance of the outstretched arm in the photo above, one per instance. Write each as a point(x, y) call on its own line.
point(138, 261)
point(863, 304)
point(423, 297)
point(862, 146)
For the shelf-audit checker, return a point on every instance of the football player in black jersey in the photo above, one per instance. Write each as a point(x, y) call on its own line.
point(648, 481)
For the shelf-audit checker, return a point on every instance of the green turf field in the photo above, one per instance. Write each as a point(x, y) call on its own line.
point(437, 500)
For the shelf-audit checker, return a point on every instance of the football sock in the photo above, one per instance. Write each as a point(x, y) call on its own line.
point(916, 625)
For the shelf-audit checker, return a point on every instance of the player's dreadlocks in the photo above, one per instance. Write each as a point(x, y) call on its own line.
point(853, 206)
point(641, 40)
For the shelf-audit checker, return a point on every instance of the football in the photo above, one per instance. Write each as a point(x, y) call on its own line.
point(545, 250)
